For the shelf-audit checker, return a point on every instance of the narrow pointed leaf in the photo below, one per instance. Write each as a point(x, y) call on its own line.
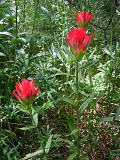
point(68, 100)
point(86, 103)
point(48, 144)
point(72, 156)
point(6, 34)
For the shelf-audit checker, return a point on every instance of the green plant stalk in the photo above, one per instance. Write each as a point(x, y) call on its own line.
point(24, 7)
point(63, 33)
point(90, 77)
point(67, 78)
point(77, 94)
point(35, 3)
point(111, 29)
point(16, 26)
point(111, 37)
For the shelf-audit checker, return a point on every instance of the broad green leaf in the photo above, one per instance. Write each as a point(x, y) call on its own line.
point(48, 144)
point(86, 103)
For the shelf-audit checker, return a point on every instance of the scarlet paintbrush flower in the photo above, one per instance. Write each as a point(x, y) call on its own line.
point(25, 91)
point(78, 41)
point(83, 18)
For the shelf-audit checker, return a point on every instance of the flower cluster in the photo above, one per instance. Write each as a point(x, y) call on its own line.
point(25, 91)
point(82, 18)
point(78, 39)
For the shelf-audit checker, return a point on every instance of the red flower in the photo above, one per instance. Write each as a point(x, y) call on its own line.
point(25, 91)
point(78, 40)
point(83, 18)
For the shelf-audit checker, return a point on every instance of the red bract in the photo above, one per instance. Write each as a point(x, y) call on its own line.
point(83, 18)
point(78, 40)
point(25, 91)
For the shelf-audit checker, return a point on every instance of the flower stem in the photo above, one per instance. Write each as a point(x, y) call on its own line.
point(90, 76)
point(77, 94)
point(16, 26)
point(77, 79)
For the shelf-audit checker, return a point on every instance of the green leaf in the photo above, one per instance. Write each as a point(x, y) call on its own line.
point(35, 117)
point(89, 64)
point(45, 107)
point(115, 153)
point(107, 119)
point(86, 103)
point(117, 115)
point(72, 156)
point(30, 155)
point(70, 123)
point(2, 54)
point(29, 127)
point(68, 100)
point(44, 9)
point(74, 132)
point(118, 126)
point(63, 74)
point(6, 34)
point(48, 144)
point(84, 158)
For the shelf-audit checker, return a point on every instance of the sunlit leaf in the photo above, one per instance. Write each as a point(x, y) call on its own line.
point(30, 155)
point(6, 34)
point(29, 127)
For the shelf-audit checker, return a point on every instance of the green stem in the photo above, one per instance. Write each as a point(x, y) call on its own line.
point(77, 78)
point(31, 49)
point(90, 76)
point(16, 26)
point(24, 12)
point(111, 37)
point(111, 27)
point(77, 94)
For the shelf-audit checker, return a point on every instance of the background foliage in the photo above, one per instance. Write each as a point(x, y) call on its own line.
point(32, 45)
